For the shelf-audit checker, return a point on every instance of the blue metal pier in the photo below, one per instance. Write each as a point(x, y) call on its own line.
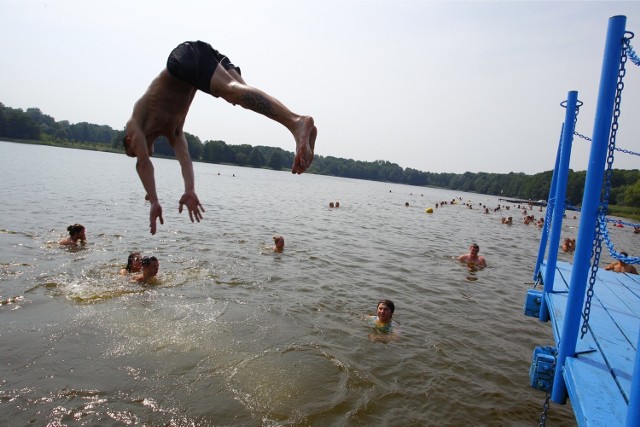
point(598, 376)
point(595, 314)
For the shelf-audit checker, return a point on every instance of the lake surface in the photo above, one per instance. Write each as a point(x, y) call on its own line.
point(235, 334)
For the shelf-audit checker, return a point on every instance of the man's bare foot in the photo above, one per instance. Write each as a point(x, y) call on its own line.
point(305, 135)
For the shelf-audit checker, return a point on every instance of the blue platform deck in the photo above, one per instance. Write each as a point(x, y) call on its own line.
point(599, 377)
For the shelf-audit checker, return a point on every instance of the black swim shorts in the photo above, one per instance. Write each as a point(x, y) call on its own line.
point(195, 62)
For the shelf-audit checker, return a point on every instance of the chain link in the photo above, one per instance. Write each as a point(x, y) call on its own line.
point(630, 52)
point(604, 198)
point(582, 136)
point(545, 406)
point(627, 151)
point(622, 150)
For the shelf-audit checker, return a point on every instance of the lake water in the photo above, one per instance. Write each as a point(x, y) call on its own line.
point(235, 334)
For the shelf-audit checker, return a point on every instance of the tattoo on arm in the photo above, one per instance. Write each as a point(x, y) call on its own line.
point(259, 104)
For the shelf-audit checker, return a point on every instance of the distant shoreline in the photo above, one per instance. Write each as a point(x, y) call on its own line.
point(627, 212)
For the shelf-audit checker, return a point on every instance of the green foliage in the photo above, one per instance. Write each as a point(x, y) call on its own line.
point(275, 161)
point(33, 125)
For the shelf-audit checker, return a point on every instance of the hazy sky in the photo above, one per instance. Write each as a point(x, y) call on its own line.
point(439, 86)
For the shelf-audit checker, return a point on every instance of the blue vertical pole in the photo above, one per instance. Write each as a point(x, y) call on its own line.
point(633, 411)
point(590, 201)
point(550, 205)
point(560, 195)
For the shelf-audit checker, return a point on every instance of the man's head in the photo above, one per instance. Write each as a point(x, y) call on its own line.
point(126, 143)
point(474, 249)
point(385, 310)
point(150, 266)
point(77, 232)
point(279, 242)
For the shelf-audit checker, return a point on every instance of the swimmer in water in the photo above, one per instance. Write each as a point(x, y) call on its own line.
point(76, 236)
point(134, 264)
point(472, 259)
point(569, 245)
point(279, 243)
point(150, 267)
point(385, 327)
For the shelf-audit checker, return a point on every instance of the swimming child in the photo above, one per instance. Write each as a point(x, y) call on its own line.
point(134, 264)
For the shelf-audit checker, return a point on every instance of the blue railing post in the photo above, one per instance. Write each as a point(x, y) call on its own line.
point(633, 411)
point(550, 205)
point(590, 201)
point(562, 174)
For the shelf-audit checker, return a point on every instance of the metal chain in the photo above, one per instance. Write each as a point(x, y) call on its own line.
point(545, 406)
point(604, 198)
point(582, 136)
point(622, 150)
point(632, 53)
point(627, 151)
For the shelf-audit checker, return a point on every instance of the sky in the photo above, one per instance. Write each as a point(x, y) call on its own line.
point(438, 86)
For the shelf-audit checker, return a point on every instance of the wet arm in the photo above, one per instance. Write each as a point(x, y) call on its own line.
point(145, 170)
point(181, 149)
point(189, 198)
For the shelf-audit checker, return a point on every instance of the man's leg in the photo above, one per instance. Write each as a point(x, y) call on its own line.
point(230, 86)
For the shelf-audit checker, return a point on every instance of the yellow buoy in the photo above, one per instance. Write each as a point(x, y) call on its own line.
point(429, 210)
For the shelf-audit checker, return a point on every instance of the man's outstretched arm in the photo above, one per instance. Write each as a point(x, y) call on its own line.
point(189, 198)
point(144, 167)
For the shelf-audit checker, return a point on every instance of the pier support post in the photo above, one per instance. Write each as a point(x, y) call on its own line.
point(562, 174)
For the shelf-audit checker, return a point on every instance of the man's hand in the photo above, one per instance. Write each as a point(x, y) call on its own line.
point(190, 199)
point(154, 213)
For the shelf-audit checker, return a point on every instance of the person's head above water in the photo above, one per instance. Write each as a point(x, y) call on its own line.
point(279, 243)
point(134, 262)
point(384, 310)
point(76, 234)
point(76, 231)
point(150, 266)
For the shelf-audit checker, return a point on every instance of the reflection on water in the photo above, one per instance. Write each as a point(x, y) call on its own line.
point(235, 334)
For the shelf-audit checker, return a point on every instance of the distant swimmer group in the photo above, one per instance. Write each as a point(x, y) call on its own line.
point(163, 108)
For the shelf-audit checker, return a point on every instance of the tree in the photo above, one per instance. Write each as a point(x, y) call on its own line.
point(195, 146)
point(256, 159)
point(275, 160)
point(17, 124)
point(632, 195)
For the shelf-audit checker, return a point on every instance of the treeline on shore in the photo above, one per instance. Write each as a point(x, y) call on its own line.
point(33, 125)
